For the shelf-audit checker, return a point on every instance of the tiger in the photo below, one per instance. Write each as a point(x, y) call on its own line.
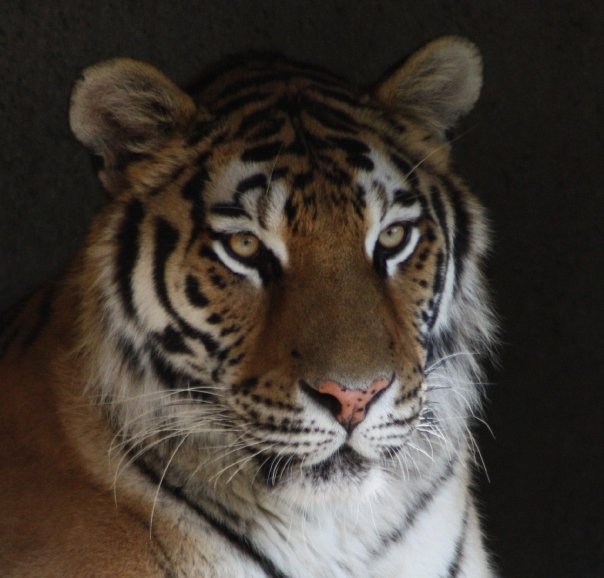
point(266, 359)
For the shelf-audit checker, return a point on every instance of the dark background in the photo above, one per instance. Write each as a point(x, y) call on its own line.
point(533, 153)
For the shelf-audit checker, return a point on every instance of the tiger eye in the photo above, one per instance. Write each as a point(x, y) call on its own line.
point(392, 236)
point(244, 245)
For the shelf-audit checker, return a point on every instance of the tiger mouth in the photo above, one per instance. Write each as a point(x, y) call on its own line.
point(345, 461)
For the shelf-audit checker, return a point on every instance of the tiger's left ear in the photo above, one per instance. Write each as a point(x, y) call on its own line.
point(437, 84)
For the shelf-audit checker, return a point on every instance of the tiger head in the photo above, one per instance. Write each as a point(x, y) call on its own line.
point(284, 287)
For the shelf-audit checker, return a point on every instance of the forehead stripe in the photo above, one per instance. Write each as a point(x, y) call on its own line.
point(257, 181)
point(235, 211)
point(405, 198)
point(261, 127)
point(350, 145)
point(240, 102)
point(331, 118)
point(405, 168)
point(261, 153)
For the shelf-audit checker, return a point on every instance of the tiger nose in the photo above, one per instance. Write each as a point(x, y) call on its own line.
point(353, 402)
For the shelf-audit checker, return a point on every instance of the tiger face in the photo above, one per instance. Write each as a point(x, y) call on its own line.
point(283, 265)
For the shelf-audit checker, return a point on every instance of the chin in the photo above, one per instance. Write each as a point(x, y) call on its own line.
point(340, 476)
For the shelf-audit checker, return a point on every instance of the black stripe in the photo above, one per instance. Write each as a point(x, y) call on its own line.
point(352, 146)
point(176, 379)
point(441, 215)
point(127, 255)
point(194, 187)
point(193, 292)
point(256, 181)
point(442, 259)
point(230, 106)
point(297, 147)
point(165, 371)
point(314, 143)
point(291, 209)
point(206, 252)
point(234, 211)
point(420, 504)
point(329, 117)
point(242, 542)
point(260, 153)
point(330, 121)
point(166, 238)
point(260, 124)
point(461, 241)
point(174, 175)
point(279, 174)
point(405, 168)
point(172, 341)
point(270, 129)
point(192, 191)
point(455, 565)
point(438, 286)
point(439, 279)
point(202, 130)
point(302, 180)
point(405, 198)
point(360, 162)
point(335, 93)
point(129, 354)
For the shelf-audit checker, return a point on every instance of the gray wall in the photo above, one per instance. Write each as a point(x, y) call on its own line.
point(533, 153)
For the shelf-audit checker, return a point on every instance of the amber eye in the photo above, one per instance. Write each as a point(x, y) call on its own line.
point(244, 245)
point(392, 236)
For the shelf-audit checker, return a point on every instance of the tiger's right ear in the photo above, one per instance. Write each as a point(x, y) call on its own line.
point(123, 108)
point(437, 85)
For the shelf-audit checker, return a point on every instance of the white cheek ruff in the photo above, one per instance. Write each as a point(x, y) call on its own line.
point(237, 266)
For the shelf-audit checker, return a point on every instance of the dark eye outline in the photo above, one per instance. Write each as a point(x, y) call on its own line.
point(388, 252)
point(263, 260)
point(381, 254)
point(252, 260)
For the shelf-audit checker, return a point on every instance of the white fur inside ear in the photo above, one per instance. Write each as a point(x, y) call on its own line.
point(438, 84)
point(125, 105)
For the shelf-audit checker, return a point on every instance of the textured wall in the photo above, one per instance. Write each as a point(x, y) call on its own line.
point(533, 152)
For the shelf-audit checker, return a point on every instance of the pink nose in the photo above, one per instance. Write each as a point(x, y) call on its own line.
point(353, 402)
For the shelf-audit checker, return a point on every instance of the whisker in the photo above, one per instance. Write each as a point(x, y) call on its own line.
point(435, 150)
point(163, 475)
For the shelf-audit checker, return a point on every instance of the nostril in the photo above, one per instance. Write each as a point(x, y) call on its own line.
point(349, 406)
point(327, 401)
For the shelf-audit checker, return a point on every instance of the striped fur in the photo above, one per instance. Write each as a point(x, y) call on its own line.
point(188, 378)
